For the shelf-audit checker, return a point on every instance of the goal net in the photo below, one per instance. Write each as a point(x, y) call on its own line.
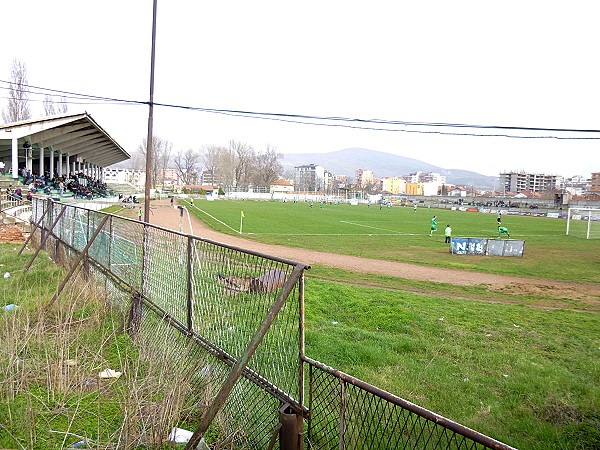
point(584, 222)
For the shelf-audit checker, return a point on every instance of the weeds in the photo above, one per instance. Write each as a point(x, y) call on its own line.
point(50, 361)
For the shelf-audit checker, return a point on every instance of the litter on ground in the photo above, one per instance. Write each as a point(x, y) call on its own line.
point(109, 373)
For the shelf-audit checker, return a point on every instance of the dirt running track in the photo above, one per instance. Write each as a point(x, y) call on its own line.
point(162, 214)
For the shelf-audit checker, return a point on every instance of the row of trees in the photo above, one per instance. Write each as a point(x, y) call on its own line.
point(237, 164)
point(18, 97)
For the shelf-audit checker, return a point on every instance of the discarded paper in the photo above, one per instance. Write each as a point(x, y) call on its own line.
point(109, 373)
point(180, 436)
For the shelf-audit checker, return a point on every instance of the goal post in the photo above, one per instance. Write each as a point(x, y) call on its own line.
point(584, 222)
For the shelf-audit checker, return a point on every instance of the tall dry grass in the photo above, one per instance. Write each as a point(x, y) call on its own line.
point(50, 392)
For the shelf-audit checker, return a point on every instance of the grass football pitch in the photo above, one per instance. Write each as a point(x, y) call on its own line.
point(401, 234)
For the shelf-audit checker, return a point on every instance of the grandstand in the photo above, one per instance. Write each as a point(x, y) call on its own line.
point(71, 148)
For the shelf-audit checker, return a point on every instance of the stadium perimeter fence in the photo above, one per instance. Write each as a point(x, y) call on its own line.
point(216, 308)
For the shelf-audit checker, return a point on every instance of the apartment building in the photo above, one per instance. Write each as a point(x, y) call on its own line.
point(534, 182)
point(363, 177)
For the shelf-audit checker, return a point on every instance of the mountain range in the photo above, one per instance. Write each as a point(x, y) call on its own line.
point(346, 161)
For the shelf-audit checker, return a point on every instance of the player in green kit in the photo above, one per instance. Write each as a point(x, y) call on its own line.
point(503, 230)
point(433, 225)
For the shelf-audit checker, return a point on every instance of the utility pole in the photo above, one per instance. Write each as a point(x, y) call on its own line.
point(149, 155)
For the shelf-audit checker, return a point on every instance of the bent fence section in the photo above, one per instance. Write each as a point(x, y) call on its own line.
point(217, 308)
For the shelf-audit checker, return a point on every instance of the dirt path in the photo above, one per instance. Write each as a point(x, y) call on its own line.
point(164, 215)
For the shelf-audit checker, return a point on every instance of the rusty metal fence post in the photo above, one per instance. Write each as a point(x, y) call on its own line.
point(343, 404)
point(135, 315)
point(301, 325)
point(37, 225)
point(82, 255)
point(43, 243)
point(189, 285)
point(291, 436)
point(145, 248)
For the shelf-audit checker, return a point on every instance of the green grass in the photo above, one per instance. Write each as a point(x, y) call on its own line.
point(50, 393)
point(541, 298)
point(113, 209)
point(399, 234)
point(528, 377)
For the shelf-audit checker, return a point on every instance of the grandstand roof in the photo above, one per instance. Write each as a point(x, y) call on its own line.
point(76, 134)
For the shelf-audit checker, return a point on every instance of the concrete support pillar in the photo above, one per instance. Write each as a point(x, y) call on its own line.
point(60, 164)
point(73, 162)
point(42, 161)
point(29, 159)
point(15, 158)
point(51, 162)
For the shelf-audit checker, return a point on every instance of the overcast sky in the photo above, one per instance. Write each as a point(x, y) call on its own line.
point(510, 63)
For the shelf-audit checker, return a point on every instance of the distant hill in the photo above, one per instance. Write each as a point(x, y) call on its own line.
point(345, 162)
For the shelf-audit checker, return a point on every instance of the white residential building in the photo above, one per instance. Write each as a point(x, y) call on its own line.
point(136, 178)
point(310, 178)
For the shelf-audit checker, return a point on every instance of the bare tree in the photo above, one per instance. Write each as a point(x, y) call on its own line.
point(161, 155)
point(243, 161)
point(18, 94)
point(186, 164)
point(51, 108)
point(210, 158)
point(63, 106)
point(267, 165)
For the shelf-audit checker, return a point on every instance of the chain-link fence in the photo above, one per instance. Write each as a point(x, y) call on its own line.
point(235, 320)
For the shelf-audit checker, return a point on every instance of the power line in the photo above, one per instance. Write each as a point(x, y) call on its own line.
point(337, 121)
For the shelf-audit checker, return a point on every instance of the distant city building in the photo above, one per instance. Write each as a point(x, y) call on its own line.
point(431, 188)
point(595, 184)
point(209, 178)
point(535, 182)
point(431, 182)
point(328, 182)
point(363, 177)
point(394, 185)
point(197, 188)
point(458, 191)
point(309, 178)
point(171, 178)
point(414, 188)
point(136, 178)
point(576, 185)
point(425, 177)
point(341, 179)
point(281, 185)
